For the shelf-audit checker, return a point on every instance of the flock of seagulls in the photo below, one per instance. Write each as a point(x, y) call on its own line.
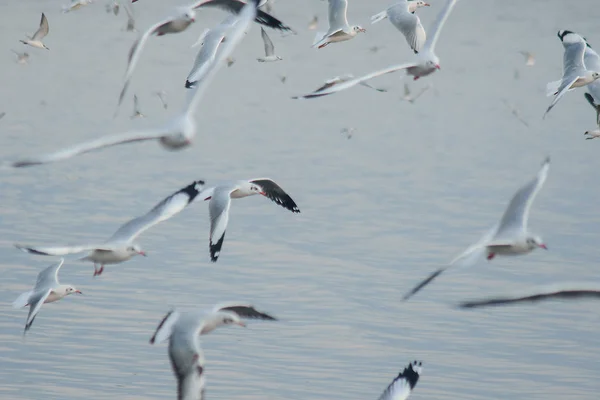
point(182, 329)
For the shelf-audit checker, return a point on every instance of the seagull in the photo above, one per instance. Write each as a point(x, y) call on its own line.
point(162, 95)
point(130, 27)
point(136, 109)
point(332, 83)
point(560, 291)
point(22, 58)
point(47, 289)
point(36, 39)
point(220, 200)
point(592, 134)
point(592, 61)
point(181, 21)
point(510, 237)
point(529, 59)
point(210, 39)
point(402, 16)
point(183, 329)
point(230, 61)
point(75, 5)
point(411, 98)
point(425, 62)
point(177, 133)
point(121, 245)
point(269, 48)
point(348, 132)
point(339, 30)
point(575, 73)
point(312, 25)
point(113, 6)
point(515, 112)
point(403, 385)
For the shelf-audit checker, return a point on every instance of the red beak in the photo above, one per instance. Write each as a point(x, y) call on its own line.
point(242, 324)
point(437, 66)
point(78, 292)
point(543, 246)
point(263, 193)
point(141, 253)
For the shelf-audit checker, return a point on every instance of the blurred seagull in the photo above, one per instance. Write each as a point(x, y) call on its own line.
point(312, 25)
point(592, 62)
point(403, 385)
point(411, 98)
point(402, 16)
point(36, 39)
point(162, 95)
point(332, 83)
point(515, 112)
point(269, 48)
point(529, 59)
point(22, 58)
point(339, 30)
point(136, 108)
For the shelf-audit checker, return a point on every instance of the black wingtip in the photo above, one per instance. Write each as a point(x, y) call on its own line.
point(562, 34)
point(190, 85)
point(423, 284)
point(411, 373)
point(215, 249)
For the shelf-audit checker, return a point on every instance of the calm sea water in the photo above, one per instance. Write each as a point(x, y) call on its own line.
point(414, 186)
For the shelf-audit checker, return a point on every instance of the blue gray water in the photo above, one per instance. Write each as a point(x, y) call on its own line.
point(414, 186)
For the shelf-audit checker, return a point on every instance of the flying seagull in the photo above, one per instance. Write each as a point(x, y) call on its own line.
point(269, 48)
point(36, 39)
point(339, 30)
point(509, 237)
point(402, 16)
point(403, 385)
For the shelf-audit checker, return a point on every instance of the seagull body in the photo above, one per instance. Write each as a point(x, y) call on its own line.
point(575, 73)
point(183, 330)
point(592, 62)
point(425, 63)
point(120, 246)
point(323, 89)
point(510, 237)
point(36, 39)
point(402, 16)
point(561, 291)
point(403, 385)
point(181, 22)
point(47, 289)
point(339, 30)
point(177, 133)
point(220, 200)
point(269, 48)
point(136, 108)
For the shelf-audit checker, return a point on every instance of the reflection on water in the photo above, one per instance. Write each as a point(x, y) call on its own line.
point(414, 186)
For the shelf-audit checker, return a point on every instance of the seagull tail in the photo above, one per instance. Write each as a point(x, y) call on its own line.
point(423, 283)
point(379, 17)
point(319, 38)
point(552, 88)
point(22, 300)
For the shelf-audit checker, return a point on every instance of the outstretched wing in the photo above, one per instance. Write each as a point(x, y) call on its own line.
point(36, 301)
point(42, 30)
point(187, 362)
point(244, 310)
point(269, 47)
point(48, 277)
point(165, 328)
point(408, 24)
point(337, 14)
point(59, 251)
point(403, 385)
point(436, 29)
point(218, 210)
point(97, 144)
point(167, 208)
point(274, 192)
point(235, 6)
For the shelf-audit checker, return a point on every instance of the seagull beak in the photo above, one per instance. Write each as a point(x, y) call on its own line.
point(437, 66)
point(78, 292)
point(426, 4)
point(263, 193)
point(241, 324)
point(141, 253)
point(543, 246)
point(363, 30)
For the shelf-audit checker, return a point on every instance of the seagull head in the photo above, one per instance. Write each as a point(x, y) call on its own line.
point(69, 289)
point(220, 318)
point(136, 249)
point(536, 241)
point(250, 188)
point(358, 28)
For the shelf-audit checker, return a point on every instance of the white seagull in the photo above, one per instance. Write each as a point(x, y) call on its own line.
point(121, 245)
point(47, 289)
point(510, 237)
point(566, 291)
point(22, 58)
point(403, 385)
point(36, 39)
point(220, 200)
point(269, 48)
point(339, 30)
point(185, 353)
point(425, 63)
point(402, 16)
point(575, 73)
point(177, 133)
point(592, 62)
point(331, 83)
point(181, 21)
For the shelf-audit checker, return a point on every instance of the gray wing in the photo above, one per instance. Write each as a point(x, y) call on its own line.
point(592, 63)
point(409, 24)
point(168, 207)
point(165, 327)
point(235, 6)
point(218, 210)
point(97, 144)
point(187, 363)
point(562, 90)
point(36, 301)
point(337, 14)
point(59, 250)
point(269, 48)
point(275, 193)
point(573, 65)
point(212, 40)
point(244, 310)
point(402, 386)
point(514, 220)
point(48, 277)
point(574, 291)
point(42, 30)
point(437, 26)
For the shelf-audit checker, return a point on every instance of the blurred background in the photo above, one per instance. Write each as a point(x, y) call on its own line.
point(413, 186)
